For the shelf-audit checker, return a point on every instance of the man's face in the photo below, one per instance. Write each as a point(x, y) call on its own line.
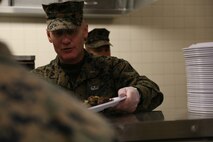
point(68, 44)
point(100, 51)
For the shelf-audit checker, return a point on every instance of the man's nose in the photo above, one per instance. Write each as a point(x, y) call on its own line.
point(67, 38)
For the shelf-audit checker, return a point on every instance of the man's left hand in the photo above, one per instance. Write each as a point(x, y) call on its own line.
point(132, 99)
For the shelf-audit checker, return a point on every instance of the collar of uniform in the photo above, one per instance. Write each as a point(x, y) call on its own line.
point(88, 69)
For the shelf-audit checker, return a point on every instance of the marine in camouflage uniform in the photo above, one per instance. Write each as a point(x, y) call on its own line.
point(32, 110)
point(102, 76)
point(98, 42)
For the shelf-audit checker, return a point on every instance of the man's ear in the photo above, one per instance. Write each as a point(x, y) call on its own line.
point(49, 37)
point(85, 30)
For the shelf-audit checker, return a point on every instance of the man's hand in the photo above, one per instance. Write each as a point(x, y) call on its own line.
point(132, 99)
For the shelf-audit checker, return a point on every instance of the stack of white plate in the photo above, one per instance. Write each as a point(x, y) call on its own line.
point(199, 73)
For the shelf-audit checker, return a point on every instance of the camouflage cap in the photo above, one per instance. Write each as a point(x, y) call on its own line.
point(97, 38)
point(65, 15)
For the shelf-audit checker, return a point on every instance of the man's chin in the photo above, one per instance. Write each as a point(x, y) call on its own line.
point(68, 59)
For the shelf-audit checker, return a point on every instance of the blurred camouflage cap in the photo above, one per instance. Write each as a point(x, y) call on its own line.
point(97, 38)
point(65, 15)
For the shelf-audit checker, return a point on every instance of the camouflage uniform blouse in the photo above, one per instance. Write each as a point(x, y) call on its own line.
point(102, 76)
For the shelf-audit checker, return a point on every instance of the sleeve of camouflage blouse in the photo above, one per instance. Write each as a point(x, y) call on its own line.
point(39, 72)
point(126, 75)
point(151, 96)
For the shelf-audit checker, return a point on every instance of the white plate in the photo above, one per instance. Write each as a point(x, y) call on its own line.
point(200, 45)
point(112, 103)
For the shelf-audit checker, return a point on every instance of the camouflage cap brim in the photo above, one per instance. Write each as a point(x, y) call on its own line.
point(98, 44)
point(59, 24)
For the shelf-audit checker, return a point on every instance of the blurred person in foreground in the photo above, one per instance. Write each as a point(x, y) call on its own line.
point(98, 42)
point(32, 110)
point(78, 71)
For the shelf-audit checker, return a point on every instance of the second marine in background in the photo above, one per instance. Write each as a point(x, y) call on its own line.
point(98, 42)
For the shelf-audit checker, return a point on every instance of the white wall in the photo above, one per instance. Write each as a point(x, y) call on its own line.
point(151, 39)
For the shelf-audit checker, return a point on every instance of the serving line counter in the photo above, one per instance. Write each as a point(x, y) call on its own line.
point(163, 126)
point(27, 61)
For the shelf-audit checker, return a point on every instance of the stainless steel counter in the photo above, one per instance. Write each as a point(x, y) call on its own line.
point(164, 126)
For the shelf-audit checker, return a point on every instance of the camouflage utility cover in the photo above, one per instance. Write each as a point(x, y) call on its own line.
point(34, 111)
point(102, 76)
point(98, 37)
point(66, 15)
